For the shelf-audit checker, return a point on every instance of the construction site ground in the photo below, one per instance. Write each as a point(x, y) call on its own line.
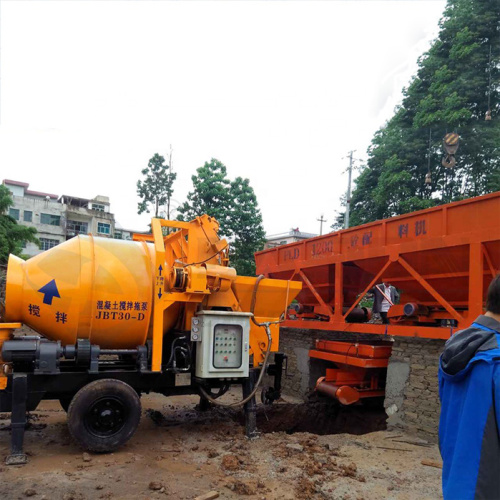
point(305, 450)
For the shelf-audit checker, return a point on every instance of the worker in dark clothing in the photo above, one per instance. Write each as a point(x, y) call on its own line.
point(385, 296)
point(469, 389)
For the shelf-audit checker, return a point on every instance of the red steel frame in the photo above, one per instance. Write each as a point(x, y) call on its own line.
point(357, 371)
point(469, 230)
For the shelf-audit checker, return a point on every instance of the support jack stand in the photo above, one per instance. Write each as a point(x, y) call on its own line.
point(18, 420)
point(20, 459)
point(250, 407)
point(204, 404)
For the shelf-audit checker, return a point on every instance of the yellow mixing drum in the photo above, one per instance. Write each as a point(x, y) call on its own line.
point(97, 289)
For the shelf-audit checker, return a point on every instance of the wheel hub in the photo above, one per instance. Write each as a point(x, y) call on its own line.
point(106, 417)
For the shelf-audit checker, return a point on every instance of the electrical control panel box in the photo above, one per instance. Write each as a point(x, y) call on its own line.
point(222, 349)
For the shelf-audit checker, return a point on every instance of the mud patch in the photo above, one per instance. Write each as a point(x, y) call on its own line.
point(316, 417)
point(172, 417)
point(321, 419)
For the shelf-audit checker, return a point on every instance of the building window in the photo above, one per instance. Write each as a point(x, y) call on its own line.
point(14, 213)
point(119, 235)
point(28, 216)
point(77, 227)
point(51, 220)
point(46, 243)
point(103, 228)
point(98, 207)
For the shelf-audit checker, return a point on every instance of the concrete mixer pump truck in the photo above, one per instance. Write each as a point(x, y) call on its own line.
point(115, 319)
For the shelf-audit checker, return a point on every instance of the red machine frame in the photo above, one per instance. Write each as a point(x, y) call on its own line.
point(441, 259)
point(359, 369)
point(467, 233)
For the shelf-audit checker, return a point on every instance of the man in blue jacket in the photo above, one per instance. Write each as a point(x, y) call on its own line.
point(469, 389)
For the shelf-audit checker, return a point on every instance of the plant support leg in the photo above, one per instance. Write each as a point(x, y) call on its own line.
point(18, 419)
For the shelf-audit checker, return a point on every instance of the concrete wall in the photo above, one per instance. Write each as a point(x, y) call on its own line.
point(412, 401)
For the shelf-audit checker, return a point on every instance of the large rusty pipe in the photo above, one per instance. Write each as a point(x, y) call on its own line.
point(344, 394)
point(414, 309)
point(358, 315)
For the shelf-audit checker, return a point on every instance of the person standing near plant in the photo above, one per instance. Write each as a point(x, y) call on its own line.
point(384, 296)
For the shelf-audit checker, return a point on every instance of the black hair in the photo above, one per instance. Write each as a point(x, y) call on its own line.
point(493, 299)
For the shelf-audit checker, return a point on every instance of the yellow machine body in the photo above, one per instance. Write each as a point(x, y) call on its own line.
point(120, 293)
point(86, 288)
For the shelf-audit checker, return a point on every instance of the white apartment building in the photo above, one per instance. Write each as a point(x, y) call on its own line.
point(84, 216)
point(291, 236)
point(58, 219)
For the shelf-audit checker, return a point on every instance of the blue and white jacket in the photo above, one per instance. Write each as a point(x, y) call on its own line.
point(469, 389)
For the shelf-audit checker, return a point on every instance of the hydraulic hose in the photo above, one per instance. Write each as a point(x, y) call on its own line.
point(259, 380)
point(265, 325)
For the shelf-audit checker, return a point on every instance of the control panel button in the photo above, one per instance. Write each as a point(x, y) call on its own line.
point(227, 346)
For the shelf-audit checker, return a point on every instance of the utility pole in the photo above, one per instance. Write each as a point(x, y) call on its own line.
point(321, 220)
point(348, 197)
point(169, 173)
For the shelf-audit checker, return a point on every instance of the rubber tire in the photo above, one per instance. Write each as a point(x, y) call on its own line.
point(83, 401)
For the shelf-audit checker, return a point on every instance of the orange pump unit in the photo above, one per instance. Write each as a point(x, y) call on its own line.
point(166, 310)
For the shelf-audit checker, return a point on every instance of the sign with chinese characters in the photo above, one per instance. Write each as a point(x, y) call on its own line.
point(59, 316)
point(417, 228)
point(121, 310)
point(361, 239)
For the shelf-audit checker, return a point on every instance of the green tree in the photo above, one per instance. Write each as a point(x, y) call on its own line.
point(339, 217)
point(210, 195)
point(457, 81)
point(156, 189)
point(245, 223)
point(235, 207)
point(13, 236)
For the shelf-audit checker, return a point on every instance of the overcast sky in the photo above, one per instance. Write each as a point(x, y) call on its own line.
point(279, 92)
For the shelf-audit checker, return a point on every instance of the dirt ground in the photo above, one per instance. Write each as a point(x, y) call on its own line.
point(179, 452)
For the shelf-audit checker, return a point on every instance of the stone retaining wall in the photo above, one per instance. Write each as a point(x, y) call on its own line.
point(413, 404)
point(412, 400)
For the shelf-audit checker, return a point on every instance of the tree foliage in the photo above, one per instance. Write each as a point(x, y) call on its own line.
point(245, 224)
point(13, 236)
point(234, 205)
point(456, 83)
point(210, 195)
point(156, 189)
point(339, 217)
